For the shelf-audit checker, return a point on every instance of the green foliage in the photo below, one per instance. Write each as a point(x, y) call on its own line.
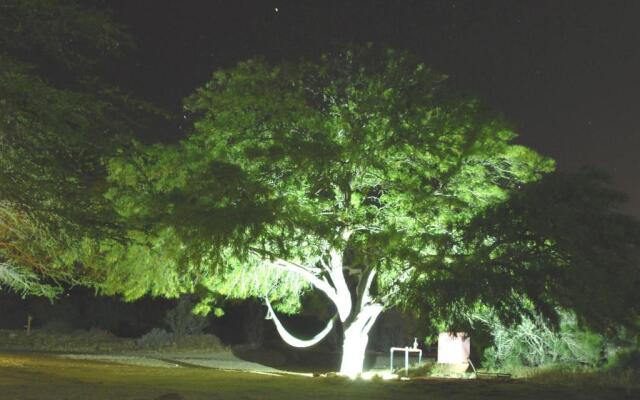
point(182, 321)
point(26, 253)
point(58, 123)
point(60, 34)
point(556, 244)
point(534, 342)
point(52, 140)
point(283, 159)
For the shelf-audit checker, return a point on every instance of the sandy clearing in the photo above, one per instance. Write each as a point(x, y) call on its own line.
point(225, 360)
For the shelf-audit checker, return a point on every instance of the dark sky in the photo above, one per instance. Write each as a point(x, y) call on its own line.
point(566, 73)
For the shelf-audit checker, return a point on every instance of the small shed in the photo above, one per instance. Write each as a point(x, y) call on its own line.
point(454, 348)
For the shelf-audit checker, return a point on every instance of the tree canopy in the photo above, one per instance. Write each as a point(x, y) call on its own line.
point(59, 121)
point(561, 243)
point(342, 173)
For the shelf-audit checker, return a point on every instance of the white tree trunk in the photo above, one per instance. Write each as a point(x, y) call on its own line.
point(354, 347)
point(356, 338)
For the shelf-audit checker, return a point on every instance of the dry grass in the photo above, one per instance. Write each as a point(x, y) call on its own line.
point(97, 341)
point(628, 380)
point(79, 341)
point(48, 377)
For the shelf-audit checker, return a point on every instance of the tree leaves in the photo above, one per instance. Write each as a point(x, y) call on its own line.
point(555, 243)
point(286, 157)
point(57, 124)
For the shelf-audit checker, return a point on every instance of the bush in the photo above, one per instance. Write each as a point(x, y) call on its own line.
point(156, 338)
point(201, 342)
point(533, 343)
point(91, 341)
point(182, 321)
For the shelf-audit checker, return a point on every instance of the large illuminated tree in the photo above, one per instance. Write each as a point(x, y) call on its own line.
point(341, 175)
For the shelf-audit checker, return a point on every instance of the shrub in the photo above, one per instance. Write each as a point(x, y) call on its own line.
point(182, 321)
point(206, 342)
point(78, 341)
point(156, 338)
point(533, 342)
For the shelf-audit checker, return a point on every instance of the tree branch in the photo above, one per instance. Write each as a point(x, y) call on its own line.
point(373, 310)
point(292, 340)
point(306, 273)
point(366, 297)
point(343, 295)
point(273, 256)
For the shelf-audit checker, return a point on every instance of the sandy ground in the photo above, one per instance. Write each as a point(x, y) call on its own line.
point(224, 360)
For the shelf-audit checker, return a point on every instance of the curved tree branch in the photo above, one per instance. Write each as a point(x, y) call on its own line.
point(292, 340)
point(306, 273)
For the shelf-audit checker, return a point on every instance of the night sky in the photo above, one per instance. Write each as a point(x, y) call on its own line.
point(565, 73)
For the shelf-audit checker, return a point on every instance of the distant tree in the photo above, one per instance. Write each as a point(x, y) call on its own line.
point(58, 122)
point(347, 175)
point(561, 242)
point(67, 39)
